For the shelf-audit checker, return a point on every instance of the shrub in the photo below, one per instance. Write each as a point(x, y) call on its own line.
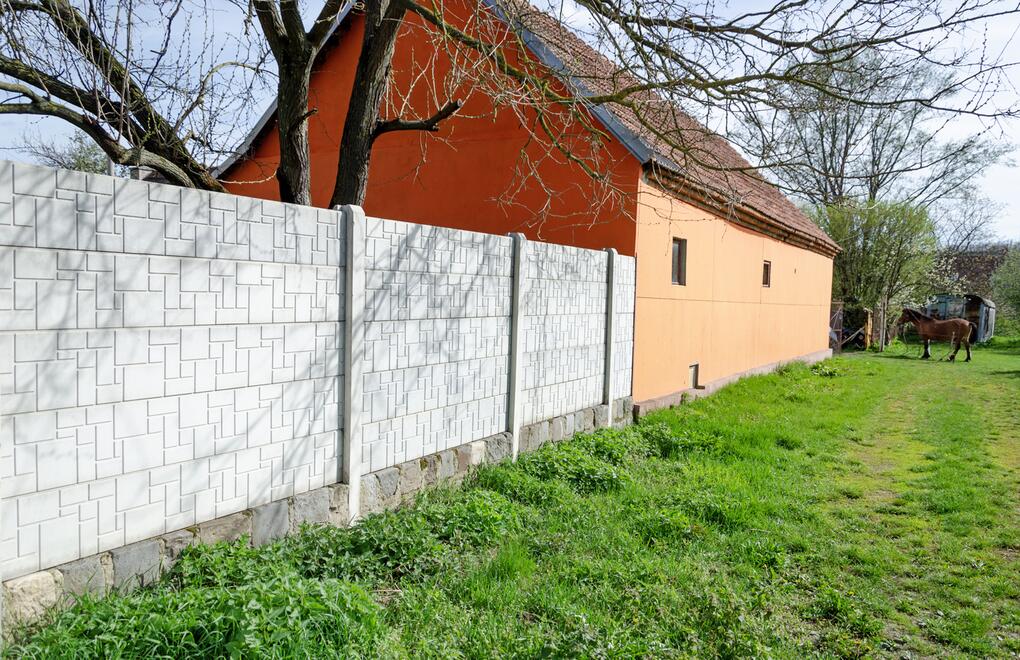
point(393, 543)
point(284, 617)
point(825, 370)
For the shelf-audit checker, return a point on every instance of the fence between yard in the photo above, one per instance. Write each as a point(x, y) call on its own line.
point(171, 356)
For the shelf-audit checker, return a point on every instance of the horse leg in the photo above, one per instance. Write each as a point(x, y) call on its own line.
point(927, 349)
point(966, 344)
point(956, 349)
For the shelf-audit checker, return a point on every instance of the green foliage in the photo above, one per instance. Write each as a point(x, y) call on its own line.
point(473, 518)
point(519, 486)
point(668, 525)
point(825, 370)
point(574, 464)
point(614, 446)
point(888, 251)
point(282, 618)
point(846, 610)
point(79, 153)
point(1006, 285)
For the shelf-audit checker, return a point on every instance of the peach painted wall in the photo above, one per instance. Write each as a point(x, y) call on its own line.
point(723, 319)
point(456, 177)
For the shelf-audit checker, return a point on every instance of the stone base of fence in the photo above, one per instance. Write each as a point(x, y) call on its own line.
point(29, 597)
point(676, 398)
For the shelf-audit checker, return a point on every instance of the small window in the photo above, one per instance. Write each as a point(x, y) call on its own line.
point(766, 274)
point(680, 261)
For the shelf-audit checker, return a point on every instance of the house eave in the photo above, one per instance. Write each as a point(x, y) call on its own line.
point(740, 214)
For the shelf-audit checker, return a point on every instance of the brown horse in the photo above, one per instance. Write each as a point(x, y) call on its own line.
point(956, 331)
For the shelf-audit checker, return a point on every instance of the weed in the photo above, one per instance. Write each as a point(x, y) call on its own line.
point(571, 463)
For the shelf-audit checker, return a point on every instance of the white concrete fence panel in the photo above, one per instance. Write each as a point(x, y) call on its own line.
point(171, 356)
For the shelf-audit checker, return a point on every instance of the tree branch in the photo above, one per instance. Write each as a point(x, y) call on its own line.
point(431, 124)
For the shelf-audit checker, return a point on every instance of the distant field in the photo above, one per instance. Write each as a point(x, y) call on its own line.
point(864, 507)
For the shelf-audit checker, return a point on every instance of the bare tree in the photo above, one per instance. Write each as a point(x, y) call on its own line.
point(885, 141)
point(148, 80)
point(664, 62)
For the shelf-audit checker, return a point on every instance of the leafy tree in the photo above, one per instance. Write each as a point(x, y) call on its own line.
point(1006, 282)
point(889, 252)
point(79, 152)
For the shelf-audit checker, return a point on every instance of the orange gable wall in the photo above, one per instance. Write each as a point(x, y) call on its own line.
point(457, 179)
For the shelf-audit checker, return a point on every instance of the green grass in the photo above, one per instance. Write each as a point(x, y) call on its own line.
point(863, 507)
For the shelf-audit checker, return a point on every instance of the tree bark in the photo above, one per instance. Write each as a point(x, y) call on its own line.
point(382, 25)
point(294, 171)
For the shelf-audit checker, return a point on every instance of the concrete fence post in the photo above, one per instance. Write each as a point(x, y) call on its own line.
point(354, 354)
point(514, 402)
point(607, 380)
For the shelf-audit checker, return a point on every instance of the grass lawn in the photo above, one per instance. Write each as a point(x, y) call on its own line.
point(865, 507)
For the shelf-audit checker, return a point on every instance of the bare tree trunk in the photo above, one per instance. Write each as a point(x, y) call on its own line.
point(294, 172)
point(382, 25)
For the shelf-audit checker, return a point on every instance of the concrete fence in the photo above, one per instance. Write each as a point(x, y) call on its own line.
point(170, 358)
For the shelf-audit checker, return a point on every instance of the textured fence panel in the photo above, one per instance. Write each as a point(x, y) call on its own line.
point(563, 330)
point(170, 356)
point(437, 336)
point(167, 356)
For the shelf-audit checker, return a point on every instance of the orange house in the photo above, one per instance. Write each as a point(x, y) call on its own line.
point(731, 277)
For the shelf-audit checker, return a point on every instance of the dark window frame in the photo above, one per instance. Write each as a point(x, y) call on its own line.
point(766, 273)
point(678, 261)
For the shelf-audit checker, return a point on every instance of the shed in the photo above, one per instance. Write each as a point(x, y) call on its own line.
point(979, 311)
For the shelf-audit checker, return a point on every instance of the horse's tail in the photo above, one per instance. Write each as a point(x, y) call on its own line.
point(973, 332)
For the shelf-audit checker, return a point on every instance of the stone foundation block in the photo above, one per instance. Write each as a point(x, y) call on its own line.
point(447, 464)
point(270, 522)
point(29, 597)
point(137, 564)
point(228, 528)
point(601, 414)
point(497, 447)
point(84, 576)
point(411, 479)
point(371, 498)
point(309, 507)
point(557, 429)
point(174, 544)
point(389, 484)
point(429, 469)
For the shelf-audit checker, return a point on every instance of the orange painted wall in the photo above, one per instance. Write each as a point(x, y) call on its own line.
point(723, 319)
point(456, 177)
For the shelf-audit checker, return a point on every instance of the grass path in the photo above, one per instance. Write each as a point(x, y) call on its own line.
point(867, 507)
point(945, 450)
